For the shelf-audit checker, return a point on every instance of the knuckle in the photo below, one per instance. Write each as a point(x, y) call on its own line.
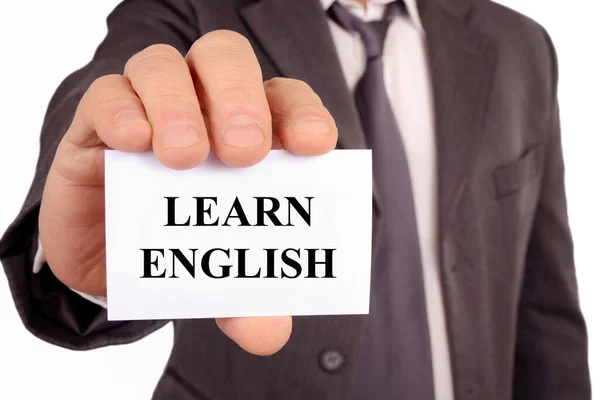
point(171, 97)
point(224, 58)
point(240, 88)
point(221, 38)
point(236, 96)
point(287, 94)
point(161, 48)
point(288, 83)
point(107, 91)
point(221, 50)
point(104, 83)
point(105, 98)
point(154, 57)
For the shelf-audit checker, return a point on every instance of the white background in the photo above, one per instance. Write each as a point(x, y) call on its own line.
point(42, 41)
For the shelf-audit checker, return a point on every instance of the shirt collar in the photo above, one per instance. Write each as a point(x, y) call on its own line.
point(411, 6)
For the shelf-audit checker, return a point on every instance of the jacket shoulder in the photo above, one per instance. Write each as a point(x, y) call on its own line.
point(525, 53)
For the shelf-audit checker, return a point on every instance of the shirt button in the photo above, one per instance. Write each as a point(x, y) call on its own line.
point(332, 360)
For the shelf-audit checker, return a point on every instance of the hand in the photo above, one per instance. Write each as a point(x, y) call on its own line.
point(171, 105)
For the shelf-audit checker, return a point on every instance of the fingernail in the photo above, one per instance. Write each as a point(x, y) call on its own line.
point(243, 132)
point(129, 118)
point(312, 126)
point(180, 134)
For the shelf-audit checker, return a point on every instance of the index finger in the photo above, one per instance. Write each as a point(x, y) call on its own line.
point(161, 78)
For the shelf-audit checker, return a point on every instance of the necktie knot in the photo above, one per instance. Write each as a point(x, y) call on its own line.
point(372, 33)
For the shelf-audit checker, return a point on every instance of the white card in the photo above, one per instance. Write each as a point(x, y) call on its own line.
point(169, 259)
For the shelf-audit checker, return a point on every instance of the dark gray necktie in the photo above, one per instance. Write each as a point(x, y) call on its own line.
point(395, 358)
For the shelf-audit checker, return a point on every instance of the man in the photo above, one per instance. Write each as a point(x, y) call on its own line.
point(474, 293)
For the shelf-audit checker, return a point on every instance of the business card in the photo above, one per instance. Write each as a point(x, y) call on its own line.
point(288, 236)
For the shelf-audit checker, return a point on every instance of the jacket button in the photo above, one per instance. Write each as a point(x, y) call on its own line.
point(332, 360)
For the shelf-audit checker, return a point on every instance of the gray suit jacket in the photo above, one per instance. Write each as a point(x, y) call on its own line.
point(514, 323)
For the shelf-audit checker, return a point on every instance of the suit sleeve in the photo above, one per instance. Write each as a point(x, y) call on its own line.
point(552, 346)
point(48, 309)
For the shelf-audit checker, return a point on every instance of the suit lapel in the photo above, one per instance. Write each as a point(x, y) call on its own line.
point(461, 63)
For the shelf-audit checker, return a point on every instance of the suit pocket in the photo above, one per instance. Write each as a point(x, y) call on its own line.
point(509, 178)
point(517, 185)
point(172, 386)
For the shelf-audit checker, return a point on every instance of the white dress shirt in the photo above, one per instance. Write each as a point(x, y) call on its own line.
point(409, 89)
